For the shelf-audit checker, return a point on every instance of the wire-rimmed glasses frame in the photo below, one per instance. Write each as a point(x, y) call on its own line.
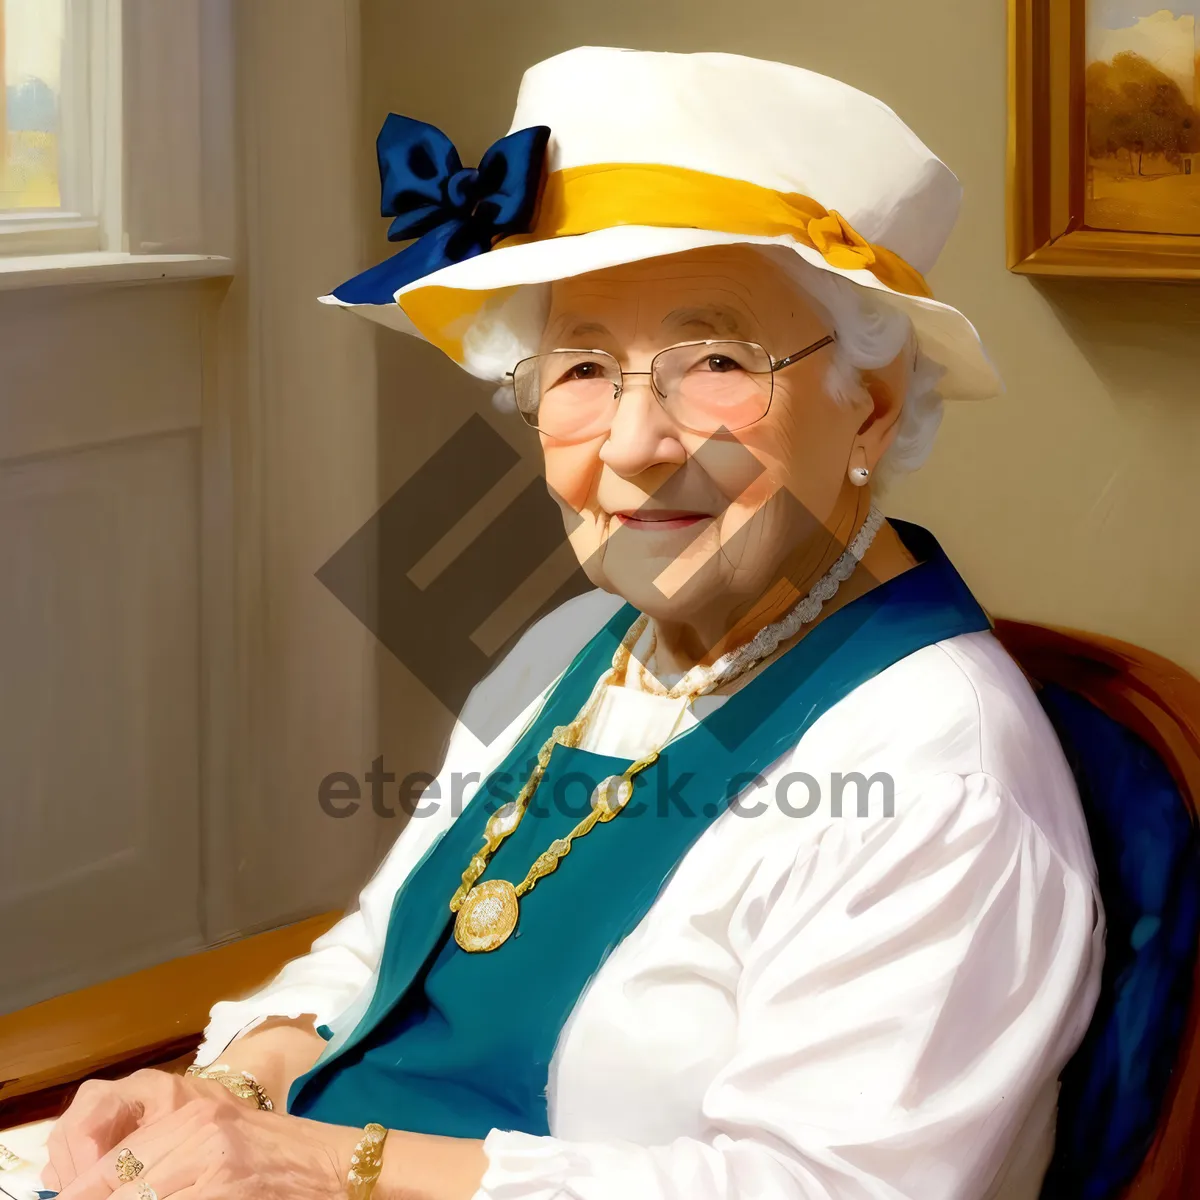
point(526, 379)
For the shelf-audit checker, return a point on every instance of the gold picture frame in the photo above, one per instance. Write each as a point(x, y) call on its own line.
point(1048, 160)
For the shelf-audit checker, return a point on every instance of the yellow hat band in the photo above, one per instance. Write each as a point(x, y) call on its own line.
point(582, 200)
point(585, 199)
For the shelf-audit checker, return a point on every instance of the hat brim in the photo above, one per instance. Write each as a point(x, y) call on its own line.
point(441, 306)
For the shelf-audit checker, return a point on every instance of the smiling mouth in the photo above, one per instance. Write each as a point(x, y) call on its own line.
point(660, 520)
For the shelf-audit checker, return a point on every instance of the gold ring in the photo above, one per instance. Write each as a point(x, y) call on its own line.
point(145, 1191)
point(128, 1166)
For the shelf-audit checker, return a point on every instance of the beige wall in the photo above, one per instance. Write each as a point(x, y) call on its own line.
point(1074, 498)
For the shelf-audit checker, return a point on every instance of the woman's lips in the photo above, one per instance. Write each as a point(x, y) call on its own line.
point(660, 520)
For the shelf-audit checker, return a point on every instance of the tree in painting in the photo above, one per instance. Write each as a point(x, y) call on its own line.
point(1134, 108)
point(1142, 89)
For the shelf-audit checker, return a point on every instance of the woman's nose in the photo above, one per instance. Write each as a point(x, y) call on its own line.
point(642, 433)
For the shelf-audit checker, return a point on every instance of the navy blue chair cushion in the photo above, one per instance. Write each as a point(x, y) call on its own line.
point(1148, 857)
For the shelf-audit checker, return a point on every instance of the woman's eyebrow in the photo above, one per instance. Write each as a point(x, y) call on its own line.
point(573, 327)
point(723, 321)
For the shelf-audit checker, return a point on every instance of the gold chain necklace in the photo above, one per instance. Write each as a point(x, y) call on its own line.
point(486, 913)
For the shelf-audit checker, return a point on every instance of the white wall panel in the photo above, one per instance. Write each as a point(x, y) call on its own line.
point(99, 727)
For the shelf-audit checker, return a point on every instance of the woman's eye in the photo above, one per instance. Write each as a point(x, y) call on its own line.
point(722, 362)
point(584, 370)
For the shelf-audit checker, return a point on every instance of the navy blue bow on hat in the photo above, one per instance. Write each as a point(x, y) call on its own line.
point(453, 212)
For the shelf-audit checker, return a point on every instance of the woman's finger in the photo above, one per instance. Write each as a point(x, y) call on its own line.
point(150, 1145)
point(177, 1172)
point(192, 1153)
point(100, 1113)
point(194, 1192)
point(103, 1114)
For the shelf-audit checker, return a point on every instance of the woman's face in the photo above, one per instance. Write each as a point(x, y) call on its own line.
point(681, 523)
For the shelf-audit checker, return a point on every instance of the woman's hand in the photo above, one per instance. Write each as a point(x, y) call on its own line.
point(105, 1113)
point(215, 1150)
point(222, 1151)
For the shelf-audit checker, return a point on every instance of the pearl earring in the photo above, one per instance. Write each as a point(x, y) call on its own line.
point(859, 475)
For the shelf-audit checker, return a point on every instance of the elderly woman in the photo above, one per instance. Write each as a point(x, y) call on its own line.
point(661, 954)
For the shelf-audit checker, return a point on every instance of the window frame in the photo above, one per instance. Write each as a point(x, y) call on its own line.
point(90, 155)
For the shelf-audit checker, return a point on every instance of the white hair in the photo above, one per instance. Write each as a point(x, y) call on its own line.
point(870, 334)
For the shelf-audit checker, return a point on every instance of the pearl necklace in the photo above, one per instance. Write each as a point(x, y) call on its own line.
point(701, 679)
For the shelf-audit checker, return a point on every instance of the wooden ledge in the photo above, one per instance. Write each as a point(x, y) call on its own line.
point(145, 1019)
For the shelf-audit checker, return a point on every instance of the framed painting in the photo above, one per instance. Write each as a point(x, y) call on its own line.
point(1104, 138)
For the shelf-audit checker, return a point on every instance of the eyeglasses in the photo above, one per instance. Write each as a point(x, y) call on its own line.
point(705, 387)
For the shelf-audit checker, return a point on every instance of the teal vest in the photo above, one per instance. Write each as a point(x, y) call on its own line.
point(459, 1044)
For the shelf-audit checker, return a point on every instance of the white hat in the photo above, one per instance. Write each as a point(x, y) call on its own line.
point(620, 155)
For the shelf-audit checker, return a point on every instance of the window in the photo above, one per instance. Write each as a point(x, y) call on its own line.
point(60, 128)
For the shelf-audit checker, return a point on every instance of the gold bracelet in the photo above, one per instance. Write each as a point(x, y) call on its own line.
point(365, 1163)
point(240, 1083)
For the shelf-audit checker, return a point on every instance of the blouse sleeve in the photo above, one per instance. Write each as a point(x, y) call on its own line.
point(905, 1003)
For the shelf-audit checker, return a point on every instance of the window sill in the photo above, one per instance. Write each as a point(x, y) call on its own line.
point(57, 270)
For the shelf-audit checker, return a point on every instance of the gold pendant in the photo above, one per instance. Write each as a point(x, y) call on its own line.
point(487, 917)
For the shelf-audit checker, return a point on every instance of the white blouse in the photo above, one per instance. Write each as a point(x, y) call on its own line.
point(823, 1006)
